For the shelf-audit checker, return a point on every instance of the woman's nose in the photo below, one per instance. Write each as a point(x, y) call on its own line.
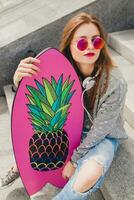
point(90, 45)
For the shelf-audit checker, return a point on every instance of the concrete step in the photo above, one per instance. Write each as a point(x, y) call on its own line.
point(6, 150)
point(28, 16)
point(123, 43)
point(5, 138)
point(127, 69)
point(9, 4)
point(9, 96)
point(119, 183)
point(17, 191)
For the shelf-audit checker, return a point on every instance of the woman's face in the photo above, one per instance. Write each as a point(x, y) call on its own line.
point(85, 59)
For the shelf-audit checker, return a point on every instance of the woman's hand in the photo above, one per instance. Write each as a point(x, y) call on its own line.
point(26, 68)
point(68, 170)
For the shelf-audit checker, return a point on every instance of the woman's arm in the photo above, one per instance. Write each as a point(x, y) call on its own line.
point(105, 121)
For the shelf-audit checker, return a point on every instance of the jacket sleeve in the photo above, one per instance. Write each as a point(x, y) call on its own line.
point(105, 120)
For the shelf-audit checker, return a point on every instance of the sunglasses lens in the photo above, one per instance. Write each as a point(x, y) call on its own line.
point(82, 44)
point(98, 43)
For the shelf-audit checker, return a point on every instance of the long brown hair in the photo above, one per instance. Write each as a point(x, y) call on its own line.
point(104, 61)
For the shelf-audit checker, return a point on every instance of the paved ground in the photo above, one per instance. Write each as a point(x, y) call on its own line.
point(6, 152)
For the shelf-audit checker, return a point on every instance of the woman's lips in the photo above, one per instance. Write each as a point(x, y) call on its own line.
point(90, 54)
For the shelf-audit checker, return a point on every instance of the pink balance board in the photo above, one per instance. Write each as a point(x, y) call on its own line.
point(47, 121)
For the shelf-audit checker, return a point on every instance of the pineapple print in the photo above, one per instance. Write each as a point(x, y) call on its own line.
point(48, 109)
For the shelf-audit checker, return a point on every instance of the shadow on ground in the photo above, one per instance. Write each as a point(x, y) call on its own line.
point(18, 193)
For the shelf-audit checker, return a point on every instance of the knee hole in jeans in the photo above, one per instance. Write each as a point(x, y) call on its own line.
point(87, 183)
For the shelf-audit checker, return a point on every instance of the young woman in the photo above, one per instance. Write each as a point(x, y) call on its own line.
point(83, 42)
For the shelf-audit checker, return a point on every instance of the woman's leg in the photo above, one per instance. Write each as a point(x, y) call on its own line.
point(91, 171)
point(87, 178)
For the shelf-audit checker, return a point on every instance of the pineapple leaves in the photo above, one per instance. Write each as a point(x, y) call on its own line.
point(64, 109)
point(65, 83)
point(59, 86)
point(38, 97)
point(45, 116)
point(31, 99)
point(41, 88)
point(65, 93)
point(61, 122)
point(34, 109)
point(37, 128)
point(37, 118)
point(56, 118)
point(49, 103)
point(54, 84)
point(35, 122)
point(45, 128)
point(56, 104)
point(69, 97)
point(47, 109)
point(50, 92)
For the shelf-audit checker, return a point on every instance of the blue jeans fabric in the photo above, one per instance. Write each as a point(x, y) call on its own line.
point(103, 153)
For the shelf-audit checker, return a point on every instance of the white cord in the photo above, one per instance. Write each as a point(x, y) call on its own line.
point(88, 83)
point(82, 97)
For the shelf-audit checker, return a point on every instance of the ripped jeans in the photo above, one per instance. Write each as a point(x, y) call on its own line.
point(103, 153)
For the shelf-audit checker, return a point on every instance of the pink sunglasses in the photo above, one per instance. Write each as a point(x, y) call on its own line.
point(97, 42)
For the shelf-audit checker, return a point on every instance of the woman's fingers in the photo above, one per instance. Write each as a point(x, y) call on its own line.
point(27, 70)
point(30, 66)
point(30, 60)
point(28, 63)
point(21, 75)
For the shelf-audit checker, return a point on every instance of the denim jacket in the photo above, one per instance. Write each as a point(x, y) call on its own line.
point(107, 115)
